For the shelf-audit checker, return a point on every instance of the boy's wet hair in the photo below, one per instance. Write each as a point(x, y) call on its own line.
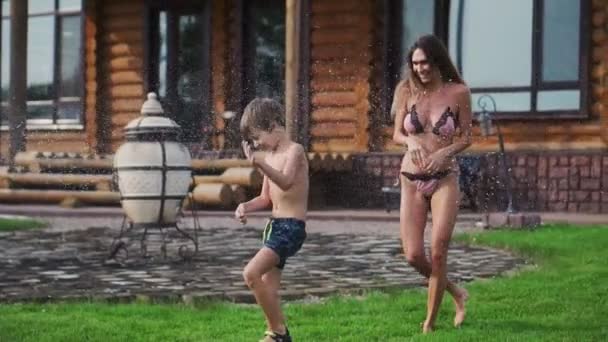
point(261, 114)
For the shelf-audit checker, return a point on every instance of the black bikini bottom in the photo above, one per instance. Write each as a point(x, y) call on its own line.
point(426, 177)
point(426, 183)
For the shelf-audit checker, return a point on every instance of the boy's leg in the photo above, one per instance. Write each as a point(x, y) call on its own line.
point(272, 282)
point(266, 292)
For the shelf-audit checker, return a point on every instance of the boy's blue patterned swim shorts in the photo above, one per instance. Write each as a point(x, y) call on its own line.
point(285, 237)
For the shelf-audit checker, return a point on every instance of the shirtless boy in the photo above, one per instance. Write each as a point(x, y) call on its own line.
point(285, 187)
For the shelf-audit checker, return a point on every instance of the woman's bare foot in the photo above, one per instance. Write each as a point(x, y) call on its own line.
point(460, 301)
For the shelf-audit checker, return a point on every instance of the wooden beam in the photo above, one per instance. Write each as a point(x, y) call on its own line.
point(57, 196)
point(57, 179)
point(292, 53)
point(18, 79)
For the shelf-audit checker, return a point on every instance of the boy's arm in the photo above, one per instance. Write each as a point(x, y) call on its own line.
point(285, 178)
point(260, 202)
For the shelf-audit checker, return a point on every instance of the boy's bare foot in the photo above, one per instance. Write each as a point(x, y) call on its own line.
point(426, 327)
point(460, 301)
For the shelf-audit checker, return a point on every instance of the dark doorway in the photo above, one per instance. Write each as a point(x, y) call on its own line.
point(178, 35)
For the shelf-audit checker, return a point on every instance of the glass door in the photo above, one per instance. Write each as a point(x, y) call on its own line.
point(179, 68)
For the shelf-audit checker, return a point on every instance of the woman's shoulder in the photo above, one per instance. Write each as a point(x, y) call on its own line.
point(458, 89)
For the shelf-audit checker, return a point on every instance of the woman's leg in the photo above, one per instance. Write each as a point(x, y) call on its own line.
point(413, 213)
point(444, 208)
point(412, 218)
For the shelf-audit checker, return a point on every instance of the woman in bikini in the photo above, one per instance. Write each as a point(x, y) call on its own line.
point(432, 109)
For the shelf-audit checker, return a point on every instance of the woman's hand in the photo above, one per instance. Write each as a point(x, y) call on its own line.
point(435, 161)
point(418, 154)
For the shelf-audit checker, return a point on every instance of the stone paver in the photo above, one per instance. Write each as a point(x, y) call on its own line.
point(67, 261)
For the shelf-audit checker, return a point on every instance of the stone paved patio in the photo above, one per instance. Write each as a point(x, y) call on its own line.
point(69, 264)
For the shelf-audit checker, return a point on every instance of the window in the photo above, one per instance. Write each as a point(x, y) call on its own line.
point(406, 21)
point(54, 63)
point(530, 55)
point(265, 49)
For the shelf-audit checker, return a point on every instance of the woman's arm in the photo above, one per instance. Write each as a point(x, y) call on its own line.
point(400, 136)
point(461, 141)
point(398, 109)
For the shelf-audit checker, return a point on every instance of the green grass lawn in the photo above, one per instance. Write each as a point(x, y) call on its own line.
point(9, 224)
point(563, 298)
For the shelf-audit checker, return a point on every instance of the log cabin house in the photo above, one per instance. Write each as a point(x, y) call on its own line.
point(545, 63)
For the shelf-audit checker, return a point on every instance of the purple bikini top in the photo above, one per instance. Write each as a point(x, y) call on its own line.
point(444, 127)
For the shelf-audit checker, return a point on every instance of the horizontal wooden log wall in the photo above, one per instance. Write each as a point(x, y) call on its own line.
point(340, 71)
point(599, 67)
point(558, 134)
point(121, 41)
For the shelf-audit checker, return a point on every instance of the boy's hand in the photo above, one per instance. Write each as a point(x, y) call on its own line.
point(239, 213)
point(248, 150)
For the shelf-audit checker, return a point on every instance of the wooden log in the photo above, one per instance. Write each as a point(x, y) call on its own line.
point(127, 91)
point(37, 164)
point(344, 20)
point(246, 176)
point(123, 36)
point(338, 52)
point(328, 114)
point(333, 130)
point(90, 59)
point(122, 22)
point(126, 105)
point(598, 5)
point(207, 179)
point(340, 6)
point(598, 35)
point(335, 36)
point(219, 164)
point(598, 71)
point(125, 49)
point(341, 69)
point(323, 84)
point(120, 119)
point(57, 196)
point(5, 182)
point(126, 77)
point(125, 63)
point(598, 54)
point(598, 18)
point(358, 41)
point(598, 91)
point(334, 98)
point(123, 9)
point(56, 179)
point(214, 194)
